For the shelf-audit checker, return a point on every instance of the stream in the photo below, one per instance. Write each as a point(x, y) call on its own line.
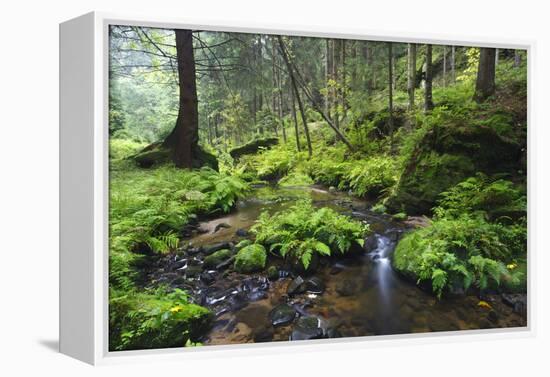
point(347, 296)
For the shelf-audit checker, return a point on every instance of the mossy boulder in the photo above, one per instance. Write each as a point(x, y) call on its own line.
point(216, 258)
point(156, 154)
point(143, 321)
point(251, 258)
point(253, 146)
point(445, 156)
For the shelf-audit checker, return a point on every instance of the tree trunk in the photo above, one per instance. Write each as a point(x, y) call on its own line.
point(453, 73)
point(428, 102)
point(295, 88)
point(485, 82)
point(184, 138)
point(343, 83)
point(390, 93)
point(335, 92)
point(327, 76)
point(293, 109)
point(496, 56)
point(444, 66)
point(411, 77)
point(517, 58)
point(280, 92)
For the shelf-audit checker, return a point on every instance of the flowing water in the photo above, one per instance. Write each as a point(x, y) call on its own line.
point(359, 296)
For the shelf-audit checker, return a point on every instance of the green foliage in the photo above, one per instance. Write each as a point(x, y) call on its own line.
point(123, 148)
point(480, 195)
point(370, 176)
point(302, 230)
point(149, 208)
point(154, 319)
point(462, 247)
point(251, 258)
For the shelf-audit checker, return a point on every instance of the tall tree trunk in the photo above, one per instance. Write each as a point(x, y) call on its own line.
point(274, 81)
point(327, 76)
point(293, 109)
point(517, 59)
point(295, 88)
point(280, 92)
point(428, 102)
point(343, 83)
point(390, 93)
point(496, 56)
point(453, 57)
point(411, 76)
point(184, 138)
point(335, 91)
point(368, 60)
point(444, 66)
point(485, 82)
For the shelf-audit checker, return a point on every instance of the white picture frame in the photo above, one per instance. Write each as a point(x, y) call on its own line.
point(84, 191)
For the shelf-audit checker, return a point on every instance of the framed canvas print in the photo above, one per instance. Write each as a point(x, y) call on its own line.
point(224, 185)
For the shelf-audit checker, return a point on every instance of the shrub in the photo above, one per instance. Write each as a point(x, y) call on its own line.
point(370, 176)
point(302, 230)
point(154, 319)
point(461, 252)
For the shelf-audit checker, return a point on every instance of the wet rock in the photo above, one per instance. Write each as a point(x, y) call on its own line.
point(272, 273)
point(296, 286)
point(251, 259)
point(282, 315)
point(336, 269)
point(221, 226)
point(315, 285)
point(347, 288)
point(518, 301)
point(194, 250)
point(215, 247)
point(263, 334)
point(178, 264)
point(217, 257)
point(226, 263)
point(307, 328)
point(332, 189)
point(241, 233)
point(208, 277)
point(192, 272)
point(493, 316)
point(371, 243)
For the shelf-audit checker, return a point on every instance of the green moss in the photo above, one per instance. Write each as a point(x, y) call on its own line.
point(253, 146)
point(217, 257)
point(251, 258)
point(154, 320)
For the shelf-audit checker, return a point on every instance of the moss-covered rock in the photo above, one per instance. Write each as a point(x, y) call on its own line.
point(445, 156)
point(143, 321)
point(156, 154)
point(251, 259)
point(253, 146)
point(214, 259)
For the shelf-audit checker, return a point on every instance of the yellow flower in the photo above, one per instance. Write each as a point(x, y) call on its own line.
point(511, 266)
point(484, 304)
point(177, 308)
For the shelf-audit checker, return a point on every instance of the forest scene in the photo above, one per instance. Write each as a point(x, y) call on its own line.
point(271, 188)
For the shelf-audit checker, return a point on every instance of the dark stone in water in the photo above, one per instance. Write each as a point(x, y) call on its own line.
point(296, 286)
point(371, 243)
point(518, 301)
point(208, 277)
point(272, 273)
point(263, 334)
point(226, 263)
point(193, 271)
point(307, 328)
point(220, 226)
point(315, 285)
point(215, 247)
point(334, 270)
point(241, 233)
point(194, 250)
point(282, 315)
point(493, 316)
point(347, 287)
point(178, 264)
